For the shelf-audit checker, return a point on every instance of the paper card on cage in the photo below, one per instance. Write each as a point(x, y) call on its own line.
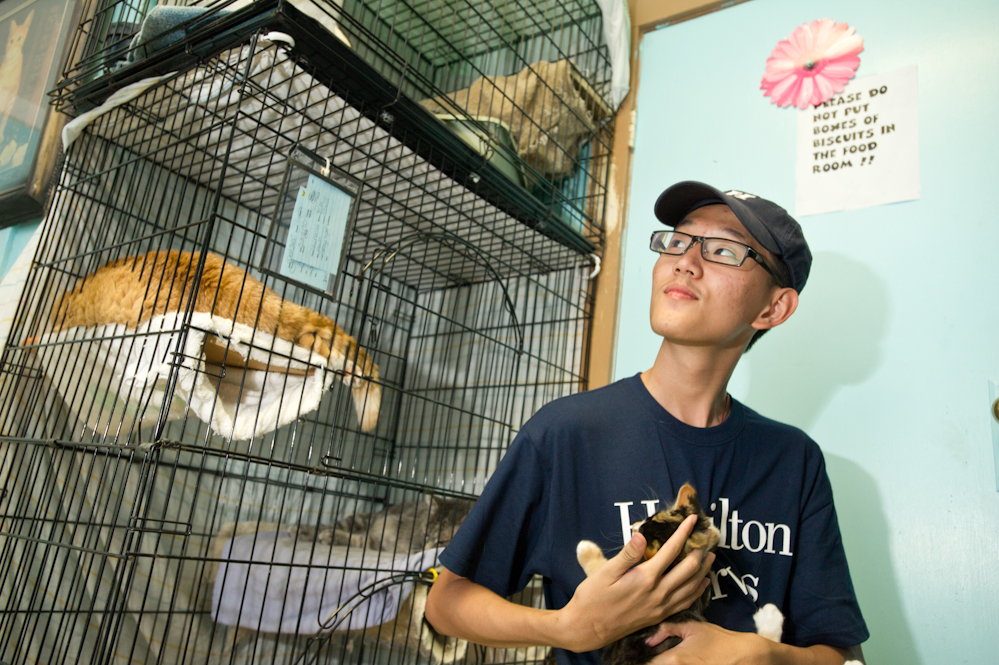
point(315, 214)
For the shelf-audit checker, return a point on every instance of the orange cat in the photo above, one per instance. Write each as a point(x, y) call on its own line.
point(10, 69)
point(132, 290)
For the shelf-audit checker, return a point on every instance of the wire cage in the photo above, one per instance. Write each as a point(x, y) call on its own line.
point(526, 85)
point(215, 451)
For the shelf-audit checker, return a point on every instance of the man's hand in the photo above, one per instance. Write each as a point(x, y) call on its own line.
point(708, 644)
point(617, 599)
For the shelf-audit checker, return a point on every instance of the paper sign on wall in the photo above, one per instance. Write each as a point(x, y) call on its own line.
point(860, 148)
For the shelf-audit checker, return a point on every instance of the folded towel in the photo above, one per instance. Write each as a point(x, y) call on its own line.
point(111, 376)
point(308, 591)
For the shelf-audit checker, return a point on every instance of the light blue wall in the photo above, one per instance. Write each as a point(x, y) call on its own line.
point(13, 239)
point(887, 361)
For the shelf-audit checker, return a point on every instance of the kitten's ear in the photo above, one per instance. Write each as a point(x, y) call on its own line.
point(688, 497)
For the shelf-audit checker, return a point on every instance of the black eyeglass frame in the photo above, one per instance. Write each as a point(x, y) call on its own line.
point(750, 252)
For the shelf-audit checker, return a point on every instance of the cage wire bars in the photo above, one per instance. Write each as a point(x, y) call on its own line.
point(162, 505)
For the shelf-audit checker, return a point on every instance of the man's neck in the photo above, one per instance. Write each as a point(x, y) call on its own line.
point(691, 382)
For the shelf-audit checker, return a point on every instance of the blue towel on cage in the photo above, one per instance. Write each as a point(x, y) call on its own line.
point(161, 28)
point(274, 583)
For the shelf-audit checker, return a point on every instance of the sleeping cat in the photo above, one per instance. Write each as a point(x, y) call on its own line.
point(402, 528)
point(632, 650)
point(132, 290)
point(10, 68)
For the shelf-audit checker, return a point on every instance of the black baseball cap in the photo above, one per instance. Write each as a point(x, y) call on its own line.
point(765, 220)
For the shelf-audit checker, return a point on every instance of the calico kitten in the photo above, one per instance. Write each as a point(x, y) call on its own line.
point(632, 650)
point(402, 528)
point(132, 290)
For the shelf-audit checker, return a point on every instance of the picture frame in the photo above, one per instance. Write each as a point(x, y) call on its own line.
point(33, 36)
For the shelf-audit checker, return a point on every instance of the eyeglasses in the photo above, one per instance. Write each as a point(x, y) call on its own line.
point(716, 250)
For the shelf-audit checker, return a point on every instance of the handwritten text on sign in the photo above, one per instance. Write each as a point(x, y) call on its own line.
point(316, 234)
point(860, 148)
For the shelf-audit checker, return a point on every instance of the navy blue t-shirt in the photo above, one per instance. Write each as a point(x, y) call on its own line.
point(589, 465)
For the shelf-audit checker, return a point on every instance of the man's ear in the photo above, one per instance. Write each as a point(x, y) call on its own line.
point(780, 308)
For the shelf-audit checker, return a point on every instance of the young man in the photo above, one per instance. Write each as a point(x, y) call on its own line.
point(731, 267)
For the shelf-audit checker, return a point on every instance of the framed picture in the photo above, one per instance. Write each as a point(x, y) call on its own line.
point(32, 36)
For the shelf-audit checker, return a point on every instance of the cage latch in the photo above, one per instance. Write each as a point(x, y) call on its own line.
point(168, 527)
point(279, 37)
point(596, 266)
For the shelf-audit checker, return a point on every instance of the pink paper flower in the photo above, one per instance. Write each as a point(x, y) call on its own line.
point(812, 64)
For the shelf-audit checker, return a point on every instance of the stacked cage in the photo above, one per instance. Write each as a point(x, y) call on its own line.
point(295, 295)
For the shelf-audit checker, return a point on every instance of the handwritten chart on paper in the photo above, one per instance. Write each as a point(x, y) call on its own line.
point(316, 233)
point(860, 148)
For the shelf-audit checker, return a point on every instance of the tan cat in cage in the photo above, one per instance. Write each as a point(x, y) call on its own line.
point(133, 289)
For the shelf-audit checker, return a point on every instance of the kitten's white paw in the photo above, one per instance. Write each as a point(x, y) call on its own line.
point(769, 622)
point(587, 548)
point(589, 556)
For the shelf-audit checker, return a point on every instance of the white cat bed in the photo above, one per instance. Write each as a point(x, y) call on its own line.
point(309, 592)
point(116, 377)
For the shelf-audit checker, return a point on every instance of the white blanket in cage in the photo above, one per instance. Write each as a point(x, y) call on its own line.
point(273, 583)
point(115, 378)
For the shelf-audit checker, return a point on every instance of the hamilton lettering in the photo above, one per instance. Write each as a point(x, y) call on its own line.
point(624, 512)
point(755, 535)
point(747, 584)
point(737, 533)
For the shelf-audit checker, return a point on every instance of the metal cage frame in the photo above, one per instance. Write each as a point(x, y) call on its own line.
point(123, 506)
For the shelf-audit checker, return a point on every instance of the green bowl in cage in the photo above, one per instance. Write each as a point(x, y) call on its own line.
point(560, 208)
point(491, 138)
